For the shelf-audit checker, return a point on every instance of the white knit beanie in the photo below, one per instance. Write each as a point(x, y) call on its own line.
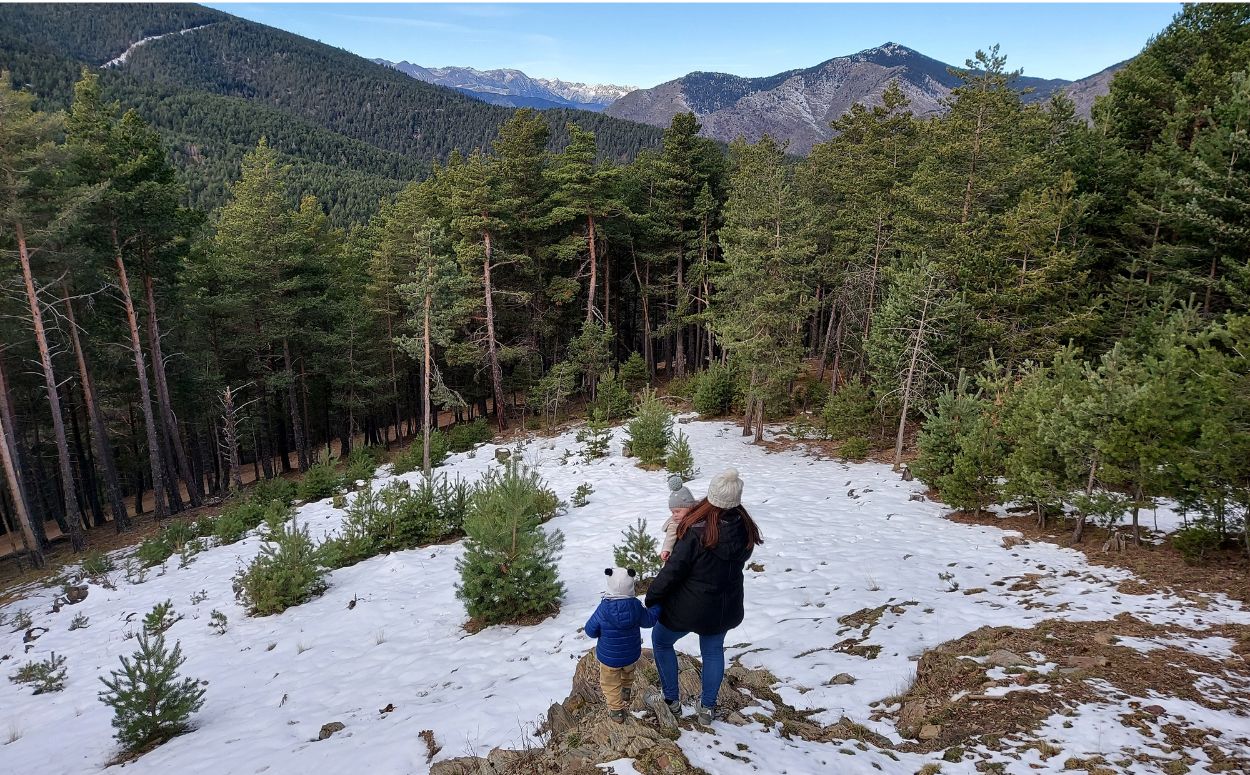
point(679, 496)
point(620, 582)
point(725, 491)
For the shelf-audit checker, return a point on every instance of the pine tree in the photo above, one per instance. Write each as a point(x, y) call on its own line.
point(150, 702)
point(508, 572)
point(761, 298)
point(680, 460)
point(639, 550)
point(651, 429)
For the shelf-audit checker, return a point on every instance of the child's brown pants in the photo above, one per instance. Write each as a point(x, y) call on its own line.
point(615, 681)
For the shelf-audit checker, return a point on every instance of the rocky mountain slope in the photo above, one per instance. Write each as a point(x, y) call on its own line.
point(798, 105)
point(514, 88)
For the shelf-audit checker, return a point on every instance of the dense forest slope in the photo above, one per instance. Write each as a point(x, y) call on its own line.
point(352, 130)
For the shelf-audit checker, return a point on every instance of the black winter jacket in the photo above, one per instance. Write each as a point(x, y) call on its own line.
point(700, 590)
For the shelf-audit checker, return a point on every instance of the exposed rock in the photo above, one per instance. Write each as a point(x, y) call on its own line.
point(502, 454)
point(1005, 658)
point(75, 595)
point(841, 679)
point(908, 475)
point(1104, 638)
point(329, 729)
point(930, 732)
point(911, 717)
point(1085, 663)
point(33, 634)
point(559, 720)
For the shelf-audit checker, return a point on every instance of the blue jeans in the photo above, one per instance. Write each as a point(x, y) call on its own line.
point(711, 651)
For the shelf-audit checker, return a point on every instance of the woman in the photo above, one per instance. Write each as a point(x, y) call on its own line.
point(699, 589)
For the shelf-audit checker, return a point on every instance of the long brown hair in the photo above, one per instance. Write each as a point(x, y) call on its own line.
point(710, 515)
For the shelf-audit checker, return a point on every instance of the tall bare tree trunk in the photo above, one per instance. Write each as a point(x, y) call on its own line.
point(492, 347)
point(594, 268)
point(73, 516)
point(425, 382)
point(917, 345)
point(32, 535)
point(145, 394)
point(824, 348)
point(177, 449)
point(230, 437)
point(390, 340)
point(297, 425)
point(99, 432)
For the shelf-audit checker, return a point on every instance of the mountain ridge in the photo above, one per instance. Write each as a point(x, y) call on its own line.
point(798, 105)
point(514, 88)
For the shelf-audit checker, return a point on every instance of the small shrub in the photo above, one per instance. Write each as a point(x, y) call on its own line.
point(683, 387)
point(22, 621)
point(274, 490)
point(338, 500)
point(849, 412)
point(638, 550)
point(199, 597)
point(714, 393)
point(362, 464)
point(204, 527)
point(45, 677)
point(160, 618)
point(284, 574)
point(680, 459)
point(465, 436)
point(508, 570)
point(153, 551)
point(634, 372)
point(320, 481)
point(596, 436)
point(96, 563)
point(79, 622)
point(583, 493)
point(246, 515)
point(457, 495)
point(854, 448)
point(178, 534)
point(650, 430)
point(812, 395)
point(413, 458)
point(612, 399)
point(1196, 541)
point(136, 572)
point(189, 550)
point(217, 622)
point(150, 702)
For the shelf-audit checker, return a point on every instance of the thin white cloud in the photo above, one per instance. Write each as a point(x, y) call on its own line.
point(404, 21)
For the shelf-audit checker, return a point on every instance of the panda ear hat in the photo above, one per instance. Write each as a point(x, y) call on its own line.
point(607, 571)
point(631, 572)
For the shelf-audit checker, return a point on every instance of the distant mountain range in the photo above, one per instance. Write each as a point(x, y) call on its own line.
point(514, 88)
point(798, 105)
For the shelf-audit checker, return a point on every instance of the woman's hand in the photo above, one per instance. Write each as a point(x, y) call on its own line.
point(664, 556)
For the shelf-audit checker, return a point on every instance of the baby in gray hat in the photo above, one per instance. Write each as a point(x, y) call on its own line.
point(680, 502)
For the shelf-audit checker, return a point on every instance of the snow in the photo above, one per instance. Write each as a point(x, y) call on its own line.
point(840, 537)
point(125, 55)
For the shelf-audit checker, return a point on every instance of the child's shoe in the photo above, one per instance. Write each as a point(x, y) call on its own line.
point(706, 715)
point(618, 715)
point(627, 694)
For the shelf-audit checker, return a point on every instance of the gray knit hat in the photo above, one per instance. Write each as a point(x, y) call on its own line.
point(679, 495)
point(725, 491)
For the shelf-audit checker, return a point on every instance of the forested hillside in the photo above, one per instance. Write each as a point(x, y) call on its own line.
point(1024, 287)
point(352, 131)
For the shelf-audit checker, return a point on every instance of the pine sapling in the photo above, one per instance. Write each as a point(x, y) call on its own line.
point(596, 437)
point(150, 702)
point(638, 550)
point(650, 430)
point(217, 622)
point(583, 493)
point(680, 460)
point(45, 677)
point(160, 618)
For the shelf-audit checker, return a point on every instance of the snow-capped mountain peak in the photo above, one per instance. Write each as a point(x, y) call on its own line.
point(507, 86)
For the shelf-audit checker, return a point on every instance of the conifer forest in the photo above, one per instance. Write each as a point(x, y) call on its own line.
point(1022, 306)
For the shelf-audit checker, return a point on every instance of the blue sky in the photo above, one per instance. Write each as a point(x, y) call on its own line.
point(643, 45)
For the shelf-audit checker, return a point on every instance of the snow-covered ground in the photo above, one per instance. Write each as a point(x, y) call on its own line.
point(840, 538)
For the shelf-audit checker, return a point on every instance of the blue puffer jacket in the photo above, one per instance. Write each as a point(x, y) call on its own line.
point(617, 624)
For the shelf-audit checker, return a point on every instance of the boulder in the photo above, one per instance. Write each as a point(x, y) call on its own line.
point(329, 729)
point(1005, 658)
point(502, 454)
point(75, 595)
point(841, 679)
point(930, 732)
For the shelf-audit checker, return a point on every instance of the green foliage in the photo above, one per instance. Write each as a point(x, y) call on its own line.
point(241, 516)
point(582, 495)
point(150, 702)
point(412, 458)
point(96, 563)
point(362, 463)
point(217, 622)
point(320, 481)
point(854, 448)
point(45, 676)
point(508, 571)
point(80, 622)
point(285, 573)
point(638, 550)
point(633, 372)
point(680, 459)
point(714, 394)
point(612, 399)
point(683, 387)
point(465, 436)
point(160, 618)
point(851, 411)
point(153, 551)
point(278, 489)
point(1196, 541)
point(596, 436)
point(651, 429)
point(961, 450)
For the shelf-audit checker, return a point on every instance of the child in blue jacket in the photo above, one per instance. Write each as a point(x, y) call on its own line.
point(617, 624)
